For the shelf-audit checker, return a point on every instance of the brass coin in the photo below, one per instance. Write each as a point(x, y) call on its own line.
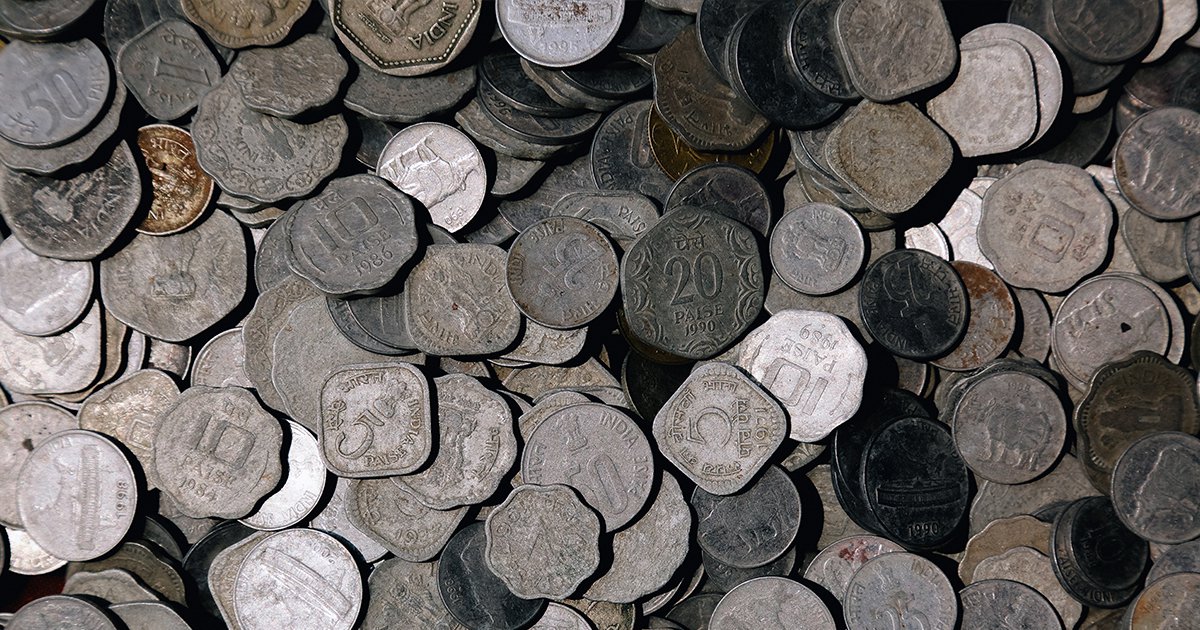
point(677, 157)
point(181, 189)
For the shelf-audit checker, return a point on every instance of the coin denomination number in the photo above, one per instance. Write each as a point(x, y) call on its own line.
point(702, 277)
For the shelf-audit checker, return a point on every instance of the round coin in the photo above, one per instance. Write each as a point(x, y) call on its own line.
point(53, 90)
point(557, 36)
point(181, 191)
point(472, 593)
point(766, 512)
point(991, 320)
point(817, 248)
point(1009, 427)
point(914, 304)
point(1147, 163)
point(771, 602)
point(60, 611)
point(562, 272)
point(875, 590)
point(833, 567)
point(439, 166)
point(42, 296)
point(298, 578)
point(1097, 559)
point(302, 487)
point(1152, 487)
point(77, 495)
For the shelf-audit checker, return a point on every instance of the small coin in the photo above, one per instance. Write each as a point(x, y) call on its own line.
point(899, 576)
point(768, 510)
point(1001, 536)
point(534, 128)
point(985, 601)
point(404, 41)
point(562, 272)
point(403, 593)
point(236, 452)
point(375, 420)
point(1181, 558)
point(298, 577)
point(396, 518)
point(1151, 487)
point(440, 167)
point(833, 567)
point(66, 362)
point(303, 483)
point(334, 518)
point(1048, 72)
point(168, 67)
point(554, 36)
point(621, 157)
point(406, 99)
point(24, 427)
point(175, 287)
point(472, 592)
point(25, 557)
point(181, 190)
point(239, 24)
point(291, 80)
point(456, 301)
point(354, 237)
point(561, 181)
point(908, 59)
point(42, 296)
point(269, 314)
point(907, 325)
point(77, 495)
point(128, 411)
point(60, 611)
point(64, 87)
point(1156, 246)
point(1146, 163)
point(817, 248)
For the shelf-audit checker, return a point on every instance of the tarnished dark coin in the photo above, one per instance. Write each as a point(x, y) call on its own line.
point(765, 78)
point(914, 304)
point(991, 319)
point(692, 284)
point(725, 578)
point(76, 218)
point(406, 99)
point(817, 248)
point(288, 159)
point(562, 272)
point(382, 318)
point(1148, 159)
point(472, 593)
point(290, 80)
point(648, 384)
point(533, 127)
point(1127, 400)
point(168, 68)
point(621, 156)
point(1096, 558)
point(652, 29)
point(1182, 558)
point(624, 216)
point(917, 485)
point(503, 73)
point(354, 237)
point(752, 527)
point(456, 302)
point(812, 49)
point(404, 40)
point(726, 189)
point(126, 19)
point(244, 23)
point(181, 191)
point(375, 420)
point(895, 48)
point(54, 91)
point(675, 156)
point(873, 593)
point(1085, 27)
point(986, 601)
point(714, 25)
point(1009, 427)
point(697, 104)
point(554, 36)
point(1153, 487)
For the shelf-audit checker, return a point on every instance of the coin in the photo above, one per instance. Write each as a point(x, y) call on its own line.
point(1009, 427)
point(676, 157)
point(60, 611)
point(128, 411)
point(64, 86)
point(334, 518)
point(302, 486)
point(456, 302)
point(96, 480)
point(621, 155)
point(562, 272)
point(556, 37)
point(168, 67)
point(409, 40)
point(817, 248)
point(23, 427)
point(1150, 487)
point(766, 512)
point(405, 99)
point(40, 20)
point(991, 323)
point(113, 586)
point(835, 565)
point(1165, 603)
point(774, 602)
point(1156, 246)
point(1144, 163)
point(924, 589)
point(43, 296)
point(241, 24)
point(404, 592)
point(219, 362)
point(1001, 536)
point(895, 48)
point(375, 420)
point(292, 80)
point(148, 616)
point(298, 577)
point(181, 190)
point(472, 593)
point(1102, 578)
point(726, 189)
point(395, 517)
point(914, 304)
point(25, 557)
point(1082, 27)
point(987, 600)
point(39, 365)
point(1048, 74)
point(1181, 558)
point(441, 168)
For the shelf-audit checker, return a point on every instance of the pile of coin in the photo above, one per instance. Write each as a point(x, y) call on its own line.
point(683, 314)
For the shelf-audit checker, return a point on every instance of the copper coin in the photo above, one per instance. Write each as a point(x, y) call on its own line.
point(181, 189)
point(677, 157)
point(991, 321)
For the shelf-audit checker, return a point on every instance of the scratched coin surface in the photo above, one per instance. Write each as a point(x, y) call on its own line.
point(456, 301)
point(291, 80)
point(1146, 163)
point(42, 296)
point(440, 167)
point(168, 68)
point(817, 248)
point(600, 452)
point(752, 527)
point(303, 483)
point(392, 515)
point(408, 39)
point(298, 578)
point(128, 411)
point(476, 445)
point(66, 362)
point(55, 90)
point(991, 319)
point(555, 35)
point(472, 592)
point(375, 420)
point(833, 567)
point(771, 602)
point(180, 189)
point(901, 588)
point(61, 611)
point(1009, 427)
point(914, 304)
point(562, 272)
point(244, 23)
point(719, 428)
point(77, 495)
point(542, 541)
point(1152, 487)
point(985, 601)
point(894, 48)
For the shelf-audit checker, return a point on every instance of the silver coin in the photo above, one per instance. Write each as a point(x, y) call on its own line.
point(539, 344)
point(456, 301)
point(1156, 246)
point(76, 218)
point(546, 405)
point(474, 427)
point(621, 157)
point(833, 567)
point(41, 19)
point(375, 420)
point(298, 578)
point(484, 129)
point(23, 427)
point(291, 80)
point(597, 450)
point(269, 314)
point(114, 586)
point(542, 202)
point(986, 601)
point(1182, 558)
point(77, 495)
point(817, 248)
point(217, 452)
point(1146, 163)
point(334, 519)
point(554, 36)
point(1009, 427)
point(771, 603)
point(270, 254)
point(440, 167)
point(1034, 331)
point(647, 554)
point(624, 216)
point(1047, 69)
point(928, 237)
point(25, 557)
point(404, 40)
point(353, 238)
point(168, 68)
point(394, 516)
point(406, 593)
point(174, 287)
point(1050, 247)
point(42, 296)
point(222, 575)
point(917, 51)
point(727, 189)
point(1152, 487)
point(60, 611)
point(562, 272)
point(899, 589)
point(719, 428)
point(303, 483)
point(128, 411)
point(55, 90)
point(148, 616)
point(750, 528)
point(812, 364)
point(1031, 568)
point(220, 362)
point(406, 99)
point(290, 159)
point(992, 105)
point(66, 362)
point(961, 224)
point(559, 617)
point(46, 161)
point(542, 541)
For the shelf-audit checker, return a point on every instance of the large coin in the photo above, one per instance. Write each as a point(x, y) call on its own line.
point(244, 23)
point(407, 39)
point(440, 167)
point(77, 495)
point(52, 91)
point(894, 48)
point(1009, 427)
point(873, 593)
point(128, 411)
point(555, 36)
point(562, 272)
point(914, 304)
point(456, 301)
point(375, 420)
point(42, 296)
point(1147, 162)
point(298, 578)
point(23, 427)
